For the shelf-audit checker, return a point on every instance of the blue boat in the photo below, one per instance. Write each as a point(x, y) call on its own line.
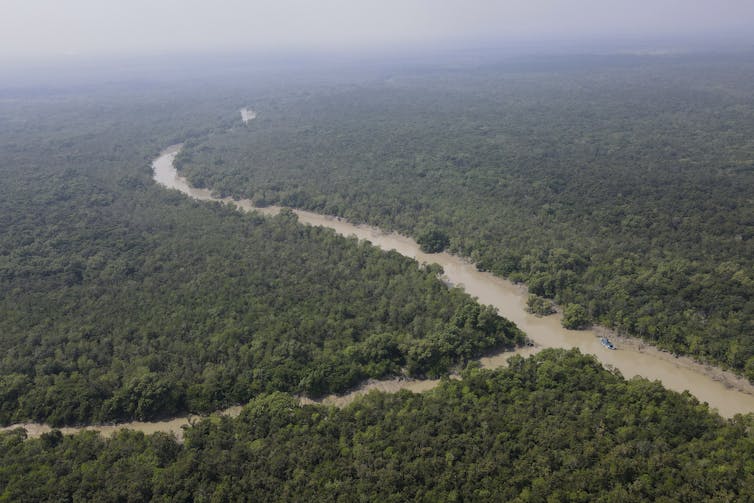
point(606, 342)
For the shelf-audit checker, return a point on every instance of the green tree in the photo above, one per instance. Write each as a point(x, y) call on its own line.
point(539, 306)
point(433, 241)
point(575, 317)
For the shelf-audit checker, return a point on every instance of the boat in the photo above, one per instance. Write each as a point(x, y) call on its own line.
point(606, 342)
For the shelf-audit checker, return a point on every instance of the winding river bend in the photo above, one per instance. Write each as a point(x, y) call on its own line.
point(722, 390)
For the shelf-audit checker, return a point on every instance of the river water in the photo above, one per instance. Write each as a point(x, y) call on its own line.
point(722, 390)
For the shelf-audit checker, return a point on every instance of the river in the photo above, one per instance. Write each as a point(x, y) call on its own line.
point(722, 390)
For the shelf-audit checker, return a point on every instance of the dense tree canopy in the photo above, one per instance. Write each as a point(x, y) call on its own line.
point(575, 316)
point(539, 305)
point(553, 427)
point(623, 184)
point(433, 241)
point(620, 188)
point(120, 300)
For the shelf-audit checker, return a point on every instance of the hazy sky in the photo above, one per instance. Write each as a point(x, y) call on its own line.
point(51, 28)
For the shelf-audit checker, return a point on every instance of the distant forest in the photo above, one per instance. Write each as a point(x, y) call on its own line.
point(621, 187)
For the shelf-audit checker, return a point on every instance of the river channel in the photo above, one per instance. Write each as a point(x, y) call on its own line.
point(724, 391)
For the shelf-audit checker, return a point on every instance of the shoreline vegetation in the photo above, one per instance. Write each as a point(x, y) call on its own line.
point(557, 425)
point(620, 188)
point(125, 302)
point(726, 378)
point(513, 305)
point(177, 425)
point(122, 300)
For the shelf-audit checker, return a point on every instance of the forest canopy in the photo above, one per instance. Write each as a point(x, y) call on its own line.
point(556, 427)
point(618, 187)
point(121, 300)
point(620, 184)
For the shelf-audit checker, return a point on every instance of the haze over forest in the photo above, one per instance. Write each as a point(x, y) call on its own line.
point(79, 30)
point(234, 235)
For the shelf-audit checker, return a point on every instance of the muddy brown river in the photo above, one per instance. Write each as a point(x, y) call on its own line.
point(722, 390)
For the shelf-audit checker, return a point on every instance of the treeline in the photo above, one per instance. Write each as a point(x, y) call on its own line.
point(555, 427)
point(622, 186)
point(120, 300)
